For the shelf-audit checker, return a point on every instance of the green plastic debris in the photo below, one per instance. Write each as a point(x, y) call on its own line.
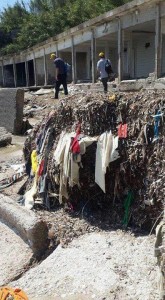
point(127, 203)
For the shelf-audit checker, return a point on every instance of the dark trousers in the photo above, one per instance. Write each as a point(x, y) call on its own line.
point(105, 83)
point(62, 79)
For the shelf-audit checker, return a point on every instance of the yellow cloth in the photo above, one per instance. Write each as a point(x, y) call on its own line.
point(34, 161)
point(16, 294)
point(112, 98)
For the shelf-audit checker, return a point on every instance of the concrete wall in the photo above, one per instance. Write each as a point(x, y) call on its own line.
point(21, 77)
point(50, 70)
point(11, 109)
point(163, 47)
point(163, 55)
point(81, 58)
point(144, 46)
point(1, 78)
point(9, 76)
point(40, 71)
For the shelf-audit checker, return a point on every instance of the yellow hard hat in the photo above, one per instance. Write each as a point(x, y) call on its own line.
point(101, 54)
point(52, 56)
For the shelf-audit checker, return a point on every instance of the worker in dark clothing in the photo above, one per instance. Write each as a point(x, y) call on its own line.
point(61, 75)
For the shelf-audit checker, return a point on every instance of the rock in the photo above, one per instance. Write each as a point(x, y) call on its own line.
point(5, 137)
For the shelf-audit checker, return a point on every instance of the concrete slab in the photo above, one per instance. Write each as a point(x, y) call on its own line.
point(25, 223)
point(15, 255)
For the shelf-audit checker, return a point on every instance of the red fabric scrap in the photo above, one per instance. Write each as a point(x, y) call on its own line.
point(41, 168)
point(122, 131)
point(75, 146)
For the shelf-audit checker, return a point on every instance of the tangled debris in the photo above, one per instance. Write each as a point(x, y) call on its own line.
point(134, 181)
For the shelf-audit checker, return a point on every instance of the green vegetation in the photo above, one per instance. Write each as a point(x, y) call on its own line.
point(22, 27)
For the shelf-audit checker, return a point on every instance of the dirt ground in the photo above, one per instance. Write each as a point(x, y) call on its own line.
point(91, 261)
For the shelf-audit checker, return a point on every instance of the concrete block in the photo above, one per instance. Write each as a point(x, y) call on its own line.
point(11, 109)
point(159, 85)
point(130, 85)
point(25, 223)
point(5, 137)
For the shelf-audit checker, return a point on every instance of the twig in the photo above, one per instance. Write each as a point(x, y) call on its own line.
point(155, 222)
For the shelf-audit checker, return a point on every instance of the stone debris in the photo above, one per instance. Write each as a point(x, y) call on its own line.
point(5, 137)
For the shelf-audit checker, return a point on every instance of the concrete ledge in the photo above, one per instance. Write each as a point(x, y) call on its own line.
point(25, 223)
point(130, 85)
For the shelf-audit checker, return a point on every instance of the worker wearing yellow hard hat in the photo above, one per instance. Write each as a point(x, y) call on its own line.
point(102, 65)
point(53, 56)
point(60, 76)
point(101, 54)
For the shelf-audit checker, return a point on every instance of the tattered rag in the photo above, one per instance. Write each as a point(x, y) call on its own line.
point(122, 131)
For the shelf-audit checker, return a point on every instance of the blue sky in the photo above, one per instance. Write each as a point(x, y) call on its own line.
point(5, 3)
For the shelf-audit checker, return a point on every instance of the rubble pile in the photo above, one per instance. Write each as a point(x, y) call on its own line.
point(134, 172)
point(145, 153)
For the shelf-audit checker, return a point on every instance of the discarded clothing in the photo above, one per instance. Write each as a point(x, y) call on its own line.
point(75, 146)
point(10, 293)
point(148, 133)
point(114, 153)
point(85, 142)
point(34, 161)
point(69, 159)
point(157, 119)
point(41, 167)
point(29, 195)
point(106, 152)
point(156, 129)
point(4, 183)
point(127, 203)
point(112, 98)
point(42, 183)
point(60, 149)
point(107, 148)
point(101, 160)
point(122, 131)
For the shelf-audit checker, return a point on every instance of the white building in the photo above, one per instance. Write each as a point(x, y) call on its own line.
point(132, 36)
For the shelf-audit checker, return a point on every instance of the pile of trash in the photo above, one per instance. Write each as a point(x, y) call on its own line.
point(100, 152)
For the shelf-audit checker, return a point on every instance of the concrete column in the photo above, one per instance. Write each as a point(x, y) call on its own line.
point(73, 62)
point(158, 43)
point(93, 56)
point(88, 64)
point(107, 52)
point(57, 51)
point(15, 73)
point(3, 75)
point(130, 56)
point(35, 70)
point(45, 69)
point(120, 51)
point(27, 73)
